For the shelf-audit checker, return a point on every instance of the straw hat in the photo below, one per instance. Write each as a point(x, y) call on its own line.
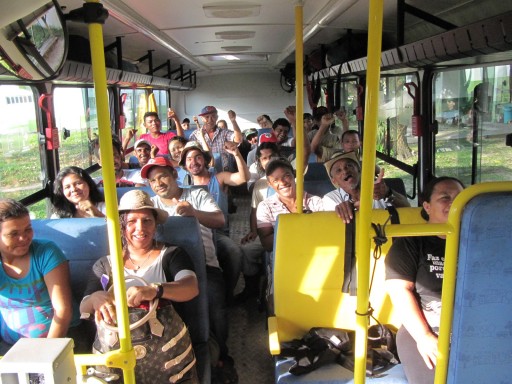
point(136, 200)
point(338, 156)
point(190, 146)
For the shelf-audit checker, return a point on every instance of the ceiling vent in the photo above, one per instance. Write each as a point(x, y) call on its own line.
point(234, 10)
point(235, 35)
point(237, 48)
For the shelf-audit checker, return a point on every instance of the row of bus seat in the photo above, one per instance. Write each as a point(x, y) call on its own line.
point(84, 241)
point(308, 280)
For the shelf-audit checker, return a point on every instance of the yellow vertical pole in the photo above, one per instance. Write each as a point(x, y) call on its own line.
point(299, 102)
point(106, 152)
point(363, 223)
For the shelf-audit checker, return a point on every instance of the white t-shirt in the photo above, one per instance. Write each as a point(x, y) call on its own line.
point(202, 201)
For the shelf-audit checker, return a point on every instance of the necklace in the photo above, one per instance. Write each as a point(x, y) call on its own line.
point(139, 266)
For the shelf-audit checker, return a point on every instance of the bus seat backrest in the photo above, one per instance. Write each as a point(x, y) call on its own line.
point(83, 241)
point(318, 187)
point(480, 348)
point(217, 160)
point(188, 132)
point(122, 190)
point(186, 233)
point(316, 171)
point(308, 273)
point(396, 184)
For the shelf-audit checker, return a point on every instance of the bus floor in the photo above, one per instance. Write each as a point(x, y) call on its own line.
point(248, 340)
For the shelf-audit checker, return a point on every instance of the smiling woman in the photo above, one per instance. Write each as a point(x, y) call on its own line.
point(76, 195)
point(35, 298)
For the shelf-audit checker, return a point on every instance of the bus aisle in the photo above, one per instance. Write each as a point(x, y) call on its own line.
point(248, 326)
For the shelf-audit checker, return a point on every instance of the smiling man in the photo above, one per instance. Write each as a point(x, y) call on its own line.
point(281, 178)
point(344, 171)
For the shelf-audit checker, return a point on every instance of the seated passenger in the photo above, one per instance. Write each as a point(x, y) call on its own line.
point(176, 145)
point(76, 195)
point(35, 294)
point(326, 140)
point(142, 150)
point(196, 160)
point(264, 121)
point(124, 177)
point(265, 149)
point(171, 274)
point(199, 204)
point(215, 137)
point(345, 173)
point(155, 135)
point(414, 278)
point(281, 178)
point(254, 252)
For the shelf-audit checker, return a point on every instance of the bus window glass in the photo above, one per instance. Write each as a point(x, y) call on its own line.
point(348, 101)
point(394, 135)
point(161, 103)
point(20, 168)
point(471, 107)
point(134, 103)
point(75, 114)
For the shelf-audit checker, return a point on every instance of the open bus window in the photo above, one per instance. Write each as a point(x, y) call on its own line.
point(471, 107)
point(75, 111)
point(34, 46)
point(20, 168)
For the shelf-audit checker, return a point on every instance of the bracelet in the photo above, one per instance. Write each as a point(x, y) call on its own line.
point(159, 290)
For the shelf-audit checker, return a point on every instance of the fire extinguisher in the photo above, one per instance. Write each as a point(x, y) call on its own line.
point(51, 133)
point(416, 119)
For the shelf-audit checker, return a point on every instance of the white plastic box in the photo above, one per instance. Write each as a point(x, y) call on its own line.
point(53, 358)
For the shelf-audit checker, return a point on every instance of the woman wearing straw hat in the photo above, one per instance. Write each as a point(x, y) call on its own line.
point(169, 272)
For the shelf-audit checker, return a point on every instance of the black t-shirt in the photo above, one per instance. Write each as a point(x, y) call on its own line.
point(419, 260)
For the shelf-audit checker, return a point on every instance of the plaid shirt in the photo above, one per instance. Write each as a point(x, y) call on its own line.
point(220, 136)
point(271, 207)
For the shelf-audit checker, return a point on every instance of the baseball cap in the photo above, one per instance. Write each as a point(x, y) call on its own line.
point(159, 161)
point(250, 132)
point(191, 145)
point(267, 138)
point(140, 142)
point(208, 110)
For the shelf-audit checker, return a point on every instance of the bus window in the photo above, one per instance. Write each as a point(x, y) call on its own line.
point(471, 107)
point(20, 168)
point(394, 135)
point(75, 111)
point(135, 105)
point(162, 103)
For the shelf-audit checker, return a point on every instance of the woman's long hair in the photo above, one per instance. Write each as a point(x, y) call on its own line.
point(61, 205)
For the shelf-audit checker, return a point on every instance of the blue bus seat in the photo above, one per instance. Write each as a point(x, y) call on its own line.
point(316, 171)
point(186, 233)
point(188, 132)
point(480, 348)
point(83, 241)
point(318, 187)
point(308, 265)
point(217, 159)
point(122, 190)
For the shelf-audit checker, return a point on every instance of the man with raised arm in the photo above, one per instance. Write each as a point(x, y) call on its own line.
point(196, 161)
point(154, 126)
point(215, 137)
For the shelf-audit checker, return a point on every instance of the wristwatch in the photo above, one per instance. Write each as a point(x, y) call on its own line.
point(159, 290)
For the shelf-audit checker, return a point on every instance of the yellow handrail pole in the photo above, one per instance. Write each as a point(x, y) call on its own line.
point(363, 222)
point(450, 269)
point(106, 152)
point(299, 102)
